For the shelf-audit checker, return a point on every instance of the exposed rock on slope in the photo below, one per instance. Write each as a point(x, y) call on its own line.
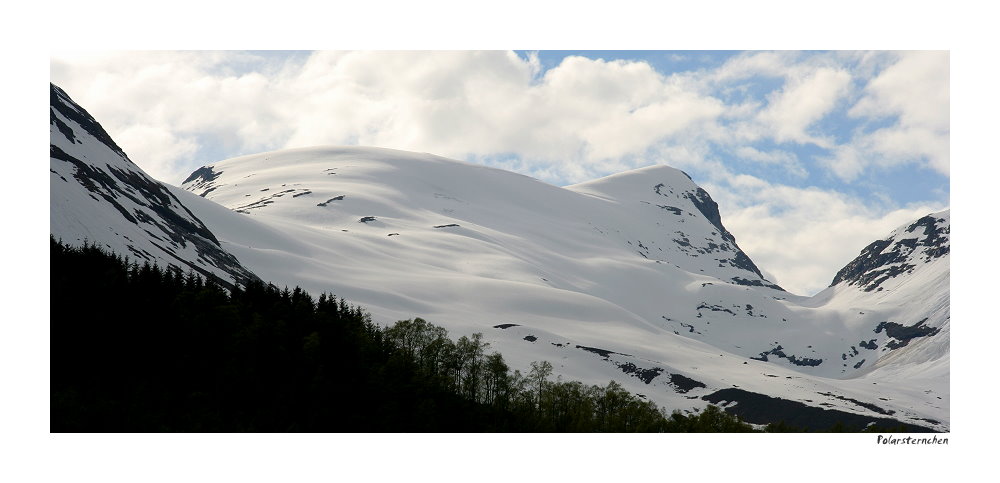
point(100, 196)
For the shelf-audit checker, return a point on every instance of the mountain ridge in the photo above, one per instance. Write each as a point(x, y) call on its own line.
point(100, 196)
point(866, 270)
point(631, 278)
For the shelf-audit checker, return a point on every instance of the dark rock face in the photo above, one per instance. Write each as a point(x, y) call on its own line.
point(203, 175)
point(937, 236)
point(601, 352)
point(869, 406)
point(60, 102)
point(267, 200)
point(761, 409)
point(704, 203)
point(886, 259)
point(710, 209)
point(755, 283)
point(62, 126)
point(714, 308)
point(683, 384)
point(96, 181)
point(903, 334)
point(645, 375)
point(779, 352)
point(672, 209)
point(741, 260)
point(335, 198)
point(141, 200)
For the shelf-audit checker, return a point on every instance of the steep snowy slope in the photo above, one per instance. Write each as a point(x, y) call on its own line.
point(631, 277)
point(904, 281)
point(98, 195)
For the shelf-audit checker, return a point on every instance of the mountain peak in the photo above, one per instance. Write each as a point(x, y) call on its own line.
point(72, 113)
point(341, 184)
point(903, 251)
point(98, 195)
point(671, 189)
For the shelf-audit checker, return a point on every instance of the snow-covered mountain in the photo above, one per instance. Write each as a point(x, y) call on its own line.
point(100, 196)
point(632, 277)
point(904, 281)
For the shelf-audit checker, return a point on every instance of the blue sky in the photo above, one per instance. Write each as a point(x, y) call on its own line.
point(811, 155)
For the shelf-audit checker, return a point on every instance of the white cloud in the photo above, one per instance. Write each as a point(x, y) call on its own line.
point(913, 93)
point(578, 116)
point(915, 88)
point(786, 159)
point(901, 144)
point(802, 102)
point(157, 147)
point(753, 64)
point(779, 97)
point(174, 96)
point(846, 162)
point(619, 133)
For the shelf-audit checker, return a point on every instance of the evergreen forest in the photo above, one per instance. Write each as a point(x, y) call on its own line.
point(140, 348)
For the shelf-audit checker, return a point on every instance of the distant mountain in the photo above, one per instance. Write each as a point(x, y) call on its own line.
point(905, 279)
point(924, 241)
point(98, 195)
point(632, 277)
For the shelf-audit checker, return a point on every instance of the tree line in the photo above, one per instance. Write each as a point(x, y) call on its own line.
point(141, 348)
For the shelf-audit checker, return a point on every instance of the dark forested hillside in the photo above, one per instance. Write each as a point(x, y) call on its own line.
point(136, 348)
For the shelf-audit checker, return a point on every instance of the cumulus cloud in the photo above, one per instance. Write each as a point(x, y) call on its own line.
point(802, 102)
point(897, 101)
point(913, 95)
point(460, 104)
point(157, 147)
point(915, 88)
point(846, 162)
point(787, 159)
point(166, 99)
point(579, 118)
point(753, 64)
